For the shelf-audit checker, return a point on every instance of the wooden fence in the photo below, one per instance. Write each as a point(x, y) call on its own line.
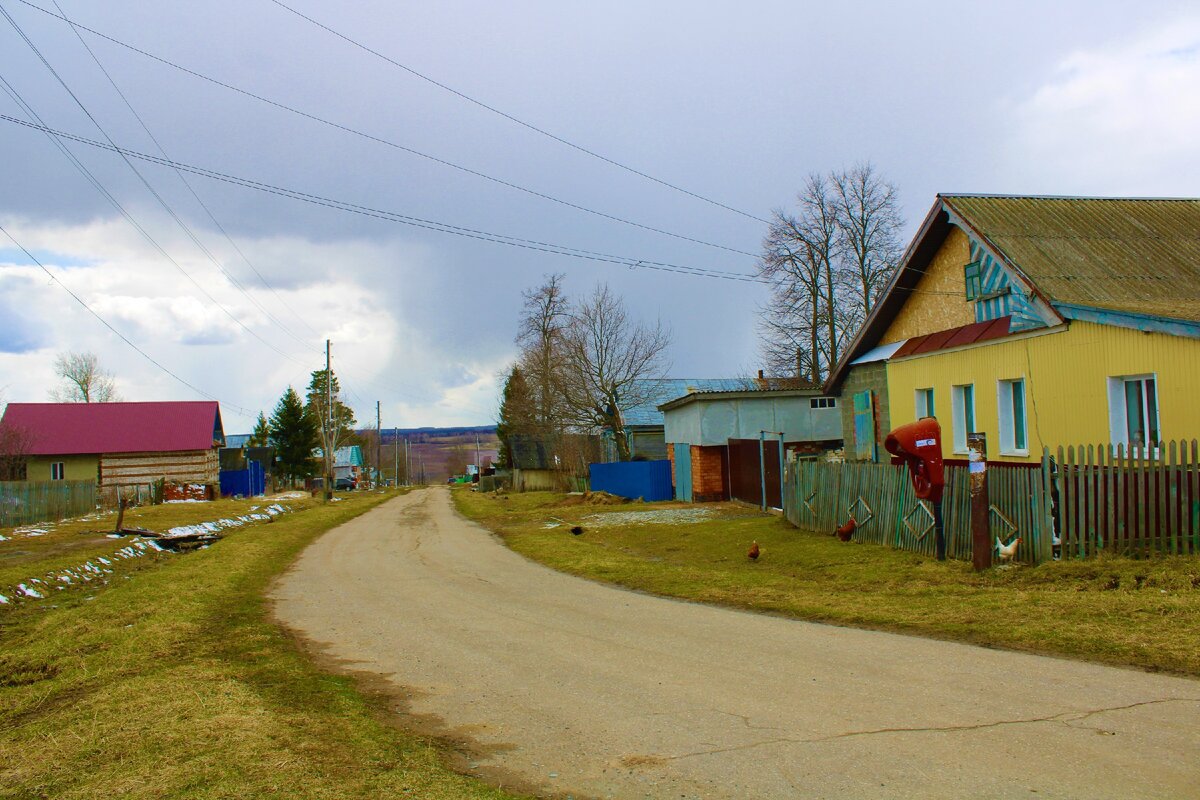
point(22, 503)
point(1075, 504)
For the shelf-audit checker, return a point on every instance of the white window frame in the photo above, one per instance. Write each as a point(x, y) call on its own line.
point(822, 402)
point(925, 402)
point(58, 470)
point(1118, 412)
point(958, 410)
point(1007, 412)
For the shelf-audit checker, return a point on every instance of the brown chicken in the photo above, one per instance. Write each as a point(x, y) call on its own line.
point(754, 551)
point(846, 532)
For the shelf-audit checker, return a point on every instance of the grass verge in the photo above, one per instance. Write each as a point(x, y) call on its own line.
point(173, 682)
point(1142, 613)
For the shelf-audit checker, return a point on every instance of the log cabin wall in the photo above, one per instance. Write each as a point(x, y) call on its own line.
point(185, 466)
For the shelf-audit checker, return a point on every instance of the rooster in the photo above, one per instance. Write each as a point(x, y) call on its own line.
point(1007, 551)
point(754, 552)
point(846, 532)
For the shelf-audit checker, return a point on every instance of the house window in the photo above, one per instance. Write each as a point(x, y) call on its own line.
point(973, 278)
point(1133, 410)
point(57, 471)
point(962, 401)
point(822, 402)
point(1010, 399)
point(924, 403)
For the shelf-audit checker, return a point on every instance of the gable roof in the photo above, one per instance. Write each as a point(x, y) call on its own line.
point(58, 429)
point(1133, 255)
point(1138, 257)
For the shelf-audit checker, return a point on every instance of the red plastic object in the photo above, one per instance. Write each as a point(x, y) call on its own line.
point(919, 445)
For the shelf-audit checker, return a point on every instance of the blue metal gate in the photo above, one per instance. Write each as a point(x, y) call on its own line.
point(683, 472)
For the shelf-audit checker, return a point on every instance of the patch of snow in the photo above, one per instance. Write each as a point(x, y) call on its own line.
point(3, 600)
point(29, 592)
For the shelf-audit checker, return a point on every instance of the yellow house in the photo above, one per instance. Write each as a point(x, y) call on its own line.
point(1039, 321)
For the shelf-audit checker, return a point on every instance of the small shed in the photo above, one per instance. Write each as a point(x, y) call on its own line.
point(644, 422)
point(718, 442)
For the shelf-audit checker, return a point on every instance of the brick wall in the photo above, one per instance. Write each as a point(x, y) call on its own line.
point(709, 466)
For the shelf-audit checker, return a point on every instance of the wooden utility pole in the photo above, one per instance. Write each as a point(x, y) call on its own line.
point(378, 446)
point(327, 423)
point(981, 540)
point(396, 456)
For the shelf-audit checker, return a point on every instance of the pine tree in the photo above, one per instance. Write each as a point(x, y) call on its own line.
point(295, 435)
point(517, 413)
point(261, 437)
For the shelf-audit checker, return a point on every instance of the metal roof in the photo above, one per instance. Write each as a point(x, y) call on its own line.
point(881, 353)
point(1137, 255)
point(59, 429)
point(662, 390)
point(739, 394)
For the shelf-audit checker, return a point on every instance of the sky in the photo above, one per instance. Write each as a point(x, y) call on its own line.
point(449, 125)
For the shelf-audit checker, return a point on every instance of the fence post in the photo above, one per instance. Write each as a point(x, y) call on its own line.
point(981, 542)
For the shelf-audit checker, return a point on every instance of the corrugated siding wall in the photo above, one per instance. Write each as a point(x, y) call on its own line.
point(1066, 377)
point(187, 466)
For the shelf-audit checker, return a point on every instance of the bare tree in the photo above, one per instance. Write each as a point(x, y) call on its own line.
point(826, 265)
point(83, 380)
point(15, 446)
point(606, 363)
point(539, 334)
point(869, 223)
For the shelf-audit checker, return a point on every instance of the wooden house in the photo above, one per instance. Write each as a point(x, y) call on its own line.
point(1039, 321)
point(120, 444)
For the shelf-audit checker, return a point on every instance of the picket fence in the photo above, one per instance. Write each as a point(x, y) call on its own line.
point(1082, 501)
point(26, 502)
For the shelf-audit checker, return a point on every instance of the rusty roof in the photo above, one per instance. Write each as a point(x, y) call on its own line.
point(1133, 255)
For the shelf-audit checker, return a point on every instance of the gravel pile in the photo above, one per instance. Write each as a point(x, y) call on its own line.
point(665, 516)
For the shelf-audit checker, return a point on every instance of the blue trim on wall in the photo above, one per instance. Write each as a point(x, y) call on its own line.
point(1130, 319)
point(1007, 300)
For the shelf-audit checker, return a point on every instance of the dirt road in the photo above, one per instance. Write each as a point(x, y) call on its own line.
point(585, 690)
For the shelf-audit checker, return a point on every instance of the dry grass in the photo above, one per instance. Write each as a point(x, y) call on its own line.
point(1143, 613)
point(173, 682)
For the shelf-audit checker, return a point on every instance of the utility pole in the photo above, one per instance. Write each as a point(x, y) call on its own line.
point(407, 468)
point(478, 466)
point(378, 445)
point(327, 424)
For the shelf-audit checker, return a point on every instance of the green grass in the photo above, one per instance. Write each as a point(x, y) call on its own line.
point(1143, 613)
point(173, 681)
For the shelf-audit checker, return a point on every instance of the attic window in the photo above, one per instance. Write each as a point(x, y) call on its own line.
point(973, 275)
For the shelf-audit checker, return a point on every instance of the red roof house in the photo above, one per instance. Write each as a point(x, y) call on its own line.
point(119, 444)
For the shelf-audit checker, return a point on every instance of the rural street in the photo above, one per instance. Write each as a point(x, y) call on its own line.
point(568, 687)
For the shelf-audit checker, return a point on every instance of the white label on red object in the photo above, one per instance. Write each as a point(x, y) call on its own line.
point(926, 442)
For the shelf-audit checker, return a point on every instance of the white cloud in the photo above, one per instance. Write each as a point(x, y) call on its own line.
point(1124, 119)
point(354, 292)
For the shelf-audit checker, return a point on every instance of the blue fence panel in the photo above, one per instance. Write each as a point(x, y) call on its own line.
point(248, 482)
point(650, 480)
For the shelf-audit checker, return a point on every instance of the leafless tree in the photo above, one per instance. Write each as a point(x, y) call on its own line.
point(869, 224)
point(15, 446)
point(826, 265)
point(83, 380)
point(606, 364)
point(539, 334)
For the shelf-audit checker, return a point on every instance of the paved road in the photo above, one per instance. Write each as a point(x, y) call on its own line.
point(582, 689)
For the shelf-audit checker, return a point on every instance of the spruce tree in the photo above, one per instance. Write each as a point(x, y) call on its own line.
point(295, 436)
point(261, 436)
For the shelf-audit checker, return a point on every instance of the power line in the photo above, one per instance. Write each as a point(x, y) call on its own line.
point(106, 324)
point(162, 201)
point(391, 216)
point(193, 192)
point(510, 117)
point(387, 142)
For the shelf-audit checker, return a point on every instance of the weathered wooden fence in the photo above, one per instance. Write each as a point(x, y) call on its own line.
point(25, 502)
point(1134, 501)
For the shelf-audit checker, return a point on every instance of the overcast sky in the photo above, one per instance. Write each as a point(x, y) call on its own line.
point(734, 102)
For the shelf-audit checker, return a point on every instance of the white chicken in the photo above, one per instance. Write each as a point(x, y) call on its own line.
point(1007, 551)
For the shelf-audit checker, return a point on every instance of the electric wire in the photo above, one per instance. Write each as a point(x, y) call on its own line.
point(512, 118)
point(54, 278)
point(170, 211)
point(380, 140)
point(404, 219)
point(112, 81)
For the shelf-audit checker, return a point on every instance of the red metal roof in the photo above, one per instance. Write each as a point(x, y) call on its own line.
point(59, 429)
point(966, 334)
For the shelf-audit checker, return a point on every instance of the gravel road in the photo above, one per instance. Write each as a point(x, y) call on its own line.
point(572, 688)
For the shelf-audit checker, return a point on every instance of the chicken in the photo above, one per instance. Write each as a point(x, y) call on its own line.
point(754, 551)
point(1007, 551)
point(846, 532)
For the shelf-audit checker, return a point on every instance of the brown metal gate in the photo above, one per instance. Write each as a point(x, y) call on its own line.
point(745, 481)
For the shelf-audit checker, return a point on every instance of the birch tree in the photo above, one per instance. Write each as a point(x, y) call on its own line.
point(83, 381)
